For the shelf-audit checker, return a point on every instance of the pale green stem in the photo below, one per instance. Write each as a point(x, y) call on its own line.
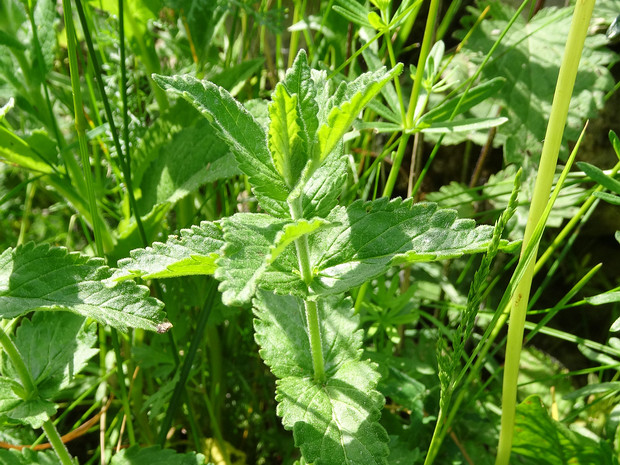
point(81, 125)
point(56, 441)
point(312, 312)
point(427, 41)
point(542, 189)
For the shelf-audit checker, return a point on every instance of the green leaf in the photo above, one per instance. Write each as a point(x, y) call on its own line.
point(465, 125)
point(335, 422)
point(193, 157)
point(609, 198)
point(547, 442)
point(321, 191)
point(55, 347)
point(14, 409)
point(28, 456)
point(44, 17)
point(194, 253)
point(243, 134)
point(599, 176)
point(298, 81)
point(49, 278)
point(288, 153)
point(17, 151)
point(349, 100)
point(233, 78)
point(474, 96)
point(249, 239)
point(155, 455)
point(528, 58)
point(292, 232)
point(373, 236)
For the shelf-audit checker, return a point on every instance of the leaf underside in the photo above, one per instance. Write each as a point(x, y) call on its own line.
point(193, 253)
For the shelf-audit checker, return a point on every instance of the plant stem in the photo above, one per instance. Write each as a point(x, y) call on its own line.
point(81, 125)
point(542, 189)
point(121, 383)
point(56, 441)
point(312, 312)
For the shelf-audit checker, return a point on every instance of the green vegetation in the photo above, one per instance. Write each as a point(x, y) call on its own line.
point(244, 232)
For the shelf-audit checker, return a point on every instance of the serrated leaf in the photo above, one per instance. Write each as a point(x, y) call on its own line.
point(248, 237)
point(44, 16)
point(193, 157)
point(155, 455)
point(49, 278)
point(55, 347)
point(321, 191)
point(243, 134)
point(349, 100)
point(298, 81)
point(373, 236)
point(14, 409)
point(285, 144)
point(194, 253)
point(549, 442)
point(291, 232)
point(334, 422)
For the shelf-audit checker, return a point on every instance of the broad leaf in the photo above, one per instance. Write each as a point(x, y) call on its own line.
point(292, 232)
point(249, 238)
point(193, 157)
point(288, 150)
point(46, 278)
point(244, 136)
point(15, 409)
point(529, 59)
point(543, 441)
point(348, 101)
point(55, 347)
point(334, 422)
point(298, 81)
point(194, 253)
point(155, 455)
point(373, 236)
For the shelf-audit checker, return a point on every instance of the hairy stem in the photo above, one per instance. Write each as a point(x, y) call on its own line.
point(312, 312)
point(56, 441)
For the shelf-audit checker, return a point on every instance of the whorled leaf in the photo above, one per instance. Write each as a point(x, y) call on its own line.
point(347, 102)
point(243, 134)
point(375, 235)
point(193, 253)
point(336, 421)
point(49, 278)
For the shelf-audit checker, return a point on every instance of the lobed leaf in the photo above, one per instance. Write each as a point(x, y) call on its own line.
point(49, 278)
point(375, 235)
point(194, 253)
point(348, 101)
point(335, 422)
point(243, 134)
